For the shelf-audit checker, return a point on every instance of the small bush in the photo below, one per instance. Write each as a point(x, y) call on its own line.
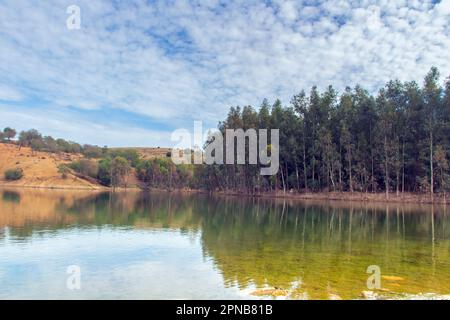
point(85, 167)
point(64, 170)
point(13, 174)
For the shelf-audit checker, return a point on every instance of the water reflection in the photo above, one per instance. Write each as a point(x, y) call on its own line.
point(308, 250)
point(11, 196)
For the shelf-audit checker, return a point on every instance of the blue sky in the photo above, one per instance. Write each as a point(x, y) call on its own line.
point(137, 70)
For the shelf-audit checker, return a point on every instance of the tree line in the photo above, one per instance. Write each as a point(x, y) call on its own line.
point(393, 142)
point(37, 142)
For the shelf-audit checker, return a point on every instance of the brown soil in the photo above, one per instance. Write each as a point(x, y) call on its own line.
point(40, 169)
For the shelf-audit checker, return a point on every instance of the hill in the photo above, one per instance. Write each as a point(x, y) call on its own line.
point(148, 153)
point(40, 168)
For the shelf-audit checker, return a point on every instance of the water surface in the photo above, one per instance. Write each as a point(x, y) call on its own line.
point(166, 246)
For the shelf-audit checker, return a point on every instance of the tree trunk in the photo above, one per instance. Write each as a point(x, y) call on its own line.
point(313, 169)
point(372, 177)
point(305, 173)
point(386, 178)
point(287, 176)
point(332, 179)
point(350, 167)
point(340, 167)
point(403, 166)
point(431, 161)
point(372, 181)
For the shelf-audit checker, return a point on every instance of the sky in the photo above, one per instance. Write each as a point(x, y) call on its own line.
point(137, 70)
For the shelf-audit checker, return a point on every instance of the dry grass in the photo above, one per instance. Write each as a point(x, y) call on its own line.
point(40, 168)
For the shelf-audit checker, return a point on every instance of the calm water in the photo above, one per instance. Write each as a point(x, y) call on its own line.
point(151, 246)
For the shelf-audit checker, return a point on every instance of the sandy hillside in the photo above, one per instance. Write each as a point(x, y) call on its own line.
point(40, 168)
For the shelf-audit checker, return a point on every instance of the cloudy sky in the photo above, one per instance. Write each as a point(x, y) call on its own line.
point(136, 70)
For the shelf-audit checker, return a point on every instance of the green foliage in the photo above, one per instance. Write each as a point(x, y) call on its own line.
point(90, 151)
point(64, 170)
point(108, 171)
point(33, 139)
point(120, 168)
point(104, 171)
point(441, 168)
point(131, 155)
point(111, 171)
point(85, 167)
point(67, 146)
point(9, 133)
point(162, 173)
point(13, 174)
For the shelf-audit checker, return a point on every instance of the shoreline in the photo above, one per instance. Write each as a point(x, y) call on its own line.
point(406, 198)
point(55, 187)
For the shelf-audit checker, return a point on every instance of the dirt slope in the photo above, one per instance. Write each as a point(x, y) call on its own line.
point(40, 168)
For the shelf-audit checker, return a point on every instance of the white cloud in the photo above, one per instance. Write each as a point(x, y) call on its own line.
point(288, 10)
point(9, 94)
point(443, 8)
point(175, 62)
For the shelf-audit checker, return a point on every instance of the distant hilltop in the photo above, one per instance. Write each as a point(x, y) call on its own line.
point(148, 153)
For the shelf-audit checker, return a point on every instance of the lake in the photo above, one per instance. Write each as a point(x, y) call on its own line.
point(136, 245)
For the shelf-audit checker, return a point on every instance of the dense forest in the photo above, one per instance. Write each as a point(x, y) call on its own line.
point(396, 141)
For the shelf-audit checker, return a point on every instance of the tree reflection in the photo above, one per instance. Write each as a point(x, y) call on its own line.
point(306, 249)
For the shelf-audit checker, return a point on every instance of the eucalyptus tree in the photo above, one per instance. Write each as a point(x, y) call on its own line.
point(300, 104)
point(432, 96)
point(414, 136)
point(386, 112)
point(346, 109)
